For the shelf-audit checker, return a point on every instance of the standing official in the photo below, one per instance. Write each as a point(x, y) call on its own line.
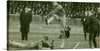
point(25, 20)
point(58, 13)
point(93, 27)
point(85, 30)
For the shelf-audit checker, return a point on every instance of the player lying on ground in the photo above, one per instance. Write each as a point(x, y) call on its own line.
point(41, 44)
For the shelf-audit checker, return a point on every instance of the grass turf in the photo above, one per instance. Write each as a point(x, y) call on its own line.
point(37, 31)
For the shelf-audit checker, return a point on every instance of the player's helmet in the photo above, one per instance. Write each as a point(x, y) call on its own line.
point(46, 38)
point(55, 3)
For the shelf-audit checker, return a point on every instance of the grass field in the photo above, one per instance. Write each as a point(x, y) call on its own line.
point(37, 31)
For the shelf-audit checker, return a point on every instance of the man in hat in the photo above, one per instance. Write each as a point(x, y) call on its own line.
point(25, 20)
point(59, 14)
point(93, 27)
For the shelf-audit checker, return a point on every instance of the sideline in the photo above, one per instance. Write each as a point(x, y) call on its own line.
point(76, 45)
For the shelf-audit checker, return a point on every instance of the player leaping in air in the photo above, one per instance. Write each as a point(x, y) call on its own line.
point(58, 13)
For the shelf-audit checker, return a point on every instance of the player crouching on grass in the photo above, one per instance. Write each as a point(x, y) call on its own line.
point(41, 44)
point(66, 32)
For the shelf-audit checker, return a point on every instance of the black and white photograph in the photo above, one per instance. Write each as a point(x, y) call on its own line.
point(52, 25)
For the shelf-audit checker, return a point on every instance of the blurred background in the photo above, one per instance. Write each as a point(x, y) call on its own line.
point(74, 10)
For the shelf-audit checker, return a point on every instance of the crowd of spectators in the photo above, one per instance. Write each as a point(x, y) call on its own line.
point(43, 7)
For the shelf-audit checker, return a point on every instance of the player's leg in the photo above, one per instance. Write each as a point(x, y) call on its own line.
point(22, 30)
point(25, 44)
point(22, 35)
point(49, 20)
point(94, 40)
point(16, 44)
point(63, 24)
point(27, 31)
point(98, 41)
point(52, 44)
point(68, 34)
point(63, 38)
point(91, 40)
point(26, 36)
point(85, 35)
point(62, 43)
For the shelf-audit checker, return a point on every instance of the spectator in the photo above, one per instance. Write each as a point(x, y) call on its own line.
point(25, 20)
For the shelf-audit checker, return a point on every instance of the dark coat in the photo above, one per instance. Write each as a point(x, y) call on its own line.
point(85, 29)
point(98, 16)
point(25, 20)
point(92, 23)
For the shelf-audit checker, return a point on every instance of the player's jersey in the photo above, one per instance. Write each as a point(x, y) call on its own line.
point(33, 45)
point(42, 43)
point(60, 11)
